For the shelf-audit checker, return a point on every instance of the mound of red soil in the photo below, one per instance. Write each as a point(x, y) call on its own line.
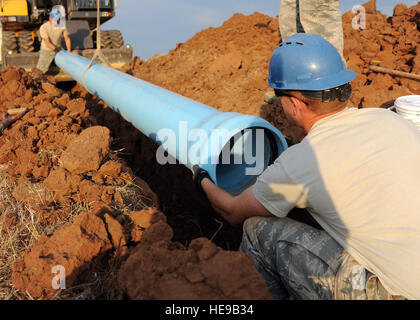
point(59, 162)
point(390, 43)
point(50, 146)
point(223, 67)
point(80, 248)
point(164, 270)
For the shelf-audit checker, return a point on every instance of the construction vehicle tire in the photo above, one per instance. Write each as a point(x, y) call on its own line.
point(10, 42)
point(110, 39)
point(116, 38)
point(26, 42)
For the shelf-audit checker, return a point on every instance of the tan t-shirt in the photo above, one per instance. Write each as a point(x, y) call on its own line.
point(54, 34)
point(358, 173)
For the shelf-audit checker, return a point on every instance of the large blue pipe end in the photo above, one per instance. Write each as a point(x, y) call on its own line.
point(235, 149)
point(246, 155)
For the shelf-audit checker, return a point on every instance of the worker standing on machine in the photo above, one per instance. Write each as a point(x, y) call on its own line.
point(51, 33)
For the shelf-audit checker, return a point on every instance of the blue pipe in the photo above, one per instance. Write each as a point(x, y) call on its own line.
point(223, 143)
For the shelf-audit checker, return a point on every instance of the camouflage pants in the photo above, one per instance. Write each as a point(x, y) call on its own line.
point(45, 59)
point(322, 17)
point(306, 263)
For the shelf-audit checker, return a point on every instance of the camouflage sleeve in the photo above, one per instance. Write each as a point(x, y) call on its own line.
point(276, 191)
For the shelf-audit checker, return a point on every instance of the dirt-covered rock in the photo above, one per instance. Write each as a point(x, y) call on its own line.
point(87, 151)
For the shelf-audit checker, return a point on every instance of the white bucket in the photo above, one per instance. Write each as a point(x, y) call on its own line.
point(409, 108)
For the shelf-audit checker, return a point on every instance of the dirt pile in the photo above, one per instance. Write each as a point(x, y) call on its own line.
point(387, 42)
point(161, 269)
point(82, 247)
point(59, 164)
point(51, 147)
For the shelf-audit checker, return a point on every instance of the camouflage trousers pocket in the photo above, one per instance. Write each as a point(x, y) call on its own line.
point(354, 282)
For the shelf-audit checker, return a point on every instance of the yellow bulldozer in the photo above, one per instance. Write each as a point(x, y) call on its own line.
point(21, 20)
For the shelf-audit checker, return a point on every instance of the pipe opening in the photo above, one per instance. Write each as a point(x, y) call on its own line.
point(245, 157)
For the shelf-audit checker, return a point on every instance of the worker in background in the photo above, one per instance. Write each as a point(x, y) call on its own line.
point(356, 172)
point(51, 33)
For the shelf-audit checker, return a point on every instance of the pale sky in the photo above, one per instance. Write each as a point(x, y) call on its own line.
point(156, 26)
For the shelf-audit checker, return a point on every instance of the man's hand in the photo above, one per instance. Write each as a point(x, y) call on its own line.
point(199, 175)
point(233, 209)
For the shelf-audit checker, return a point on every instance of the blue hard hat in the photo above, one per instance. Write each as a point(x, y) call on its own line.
point(55, 14)
point(307, 62)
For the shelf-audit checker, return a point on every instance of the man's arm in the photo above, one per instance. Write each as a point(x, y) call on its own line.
point(237, 209)
point(48, 43)
point(68, 42)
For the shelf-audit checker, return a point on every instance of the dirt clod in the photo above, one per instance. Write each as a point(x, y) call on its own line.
point(86, 152)
point(165, 270)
